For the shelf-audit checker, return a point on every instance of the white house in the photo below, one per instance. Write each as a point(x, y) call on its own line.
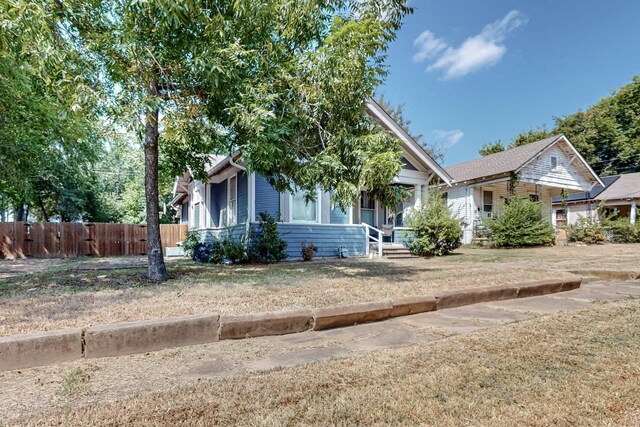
point(620, 195)
point(541, 171)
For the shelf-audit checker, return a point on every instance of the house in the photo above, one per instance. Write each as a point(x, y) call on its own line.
point(620, 194)
point(540, 171)
point(232, 199)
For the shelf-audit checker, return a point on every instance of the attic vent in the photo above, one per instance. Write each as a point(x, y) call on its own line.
point(554, 162)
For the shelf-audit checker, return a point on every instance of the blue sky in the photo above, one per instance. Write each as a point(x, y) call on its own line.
point(471, 72)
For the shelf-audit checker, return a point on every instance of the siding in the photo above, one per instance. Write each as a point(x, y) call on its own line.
point(267, 198)
point(565, 175)
point(210, 234)
point(403, 237)
point(243, 197)
point(326, 238)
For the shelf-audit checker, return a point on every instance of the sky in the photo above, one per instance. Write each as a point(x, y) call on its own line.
point(470, 72)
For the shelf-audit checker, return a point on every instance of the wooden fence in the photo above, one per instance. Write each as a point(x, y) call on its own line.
point(60, 240)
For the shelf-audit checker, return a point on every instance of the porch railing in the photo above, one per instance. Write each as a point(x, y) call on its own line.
point(368, 230)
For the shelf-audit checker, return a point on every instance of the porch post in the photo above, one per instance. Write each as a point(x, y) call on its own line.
point(634, 213)
point(417, 193)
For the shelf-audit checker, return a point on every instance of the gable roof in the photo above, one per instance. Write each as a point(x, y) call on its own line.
point(500, 163)
point(626, 186)
point(510, 161)
point(411, 146)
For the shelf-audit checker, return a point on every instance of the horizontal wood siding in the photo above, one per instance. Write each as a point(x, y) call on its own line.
point(237, 232)
point(403, 237)
point(267, 198)
point(565, 175)
point(326, 238)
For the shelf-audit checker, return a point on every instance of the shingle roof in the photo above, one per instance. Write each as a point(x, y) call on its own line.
point(625, 187)
point(499, 163)
point(589, 195)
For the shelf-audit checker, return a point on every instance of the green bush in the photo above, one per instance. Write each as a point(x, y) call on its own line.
point(621, 230)
point(437, 231)
point(204, 252)
point(265, 244)
point(587, 230)
point(233, 249)
point(520, 223)
point(190, 244)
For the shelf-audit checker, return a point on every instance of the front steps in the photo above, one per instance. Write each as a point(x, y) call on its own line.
point(391, 250)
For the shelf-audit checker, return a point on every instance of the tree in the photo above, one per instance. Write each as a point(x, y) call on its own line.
point(267, 78)
point(520, 223)
point(491, 148)
point(49, 129)
point(529, 136)
point(397, 113)
point(437, 231)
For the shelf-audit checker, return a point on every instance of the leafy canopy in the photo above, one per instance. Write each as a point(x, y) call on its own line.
point(282, 80)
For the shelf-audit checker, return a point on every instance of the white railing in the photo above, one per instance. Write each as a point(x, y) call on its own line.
point(368, 230)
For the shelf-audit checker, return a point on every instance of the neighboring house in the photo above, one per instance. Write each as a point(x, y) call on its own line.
point(620, 194)
point(234, 198)
point(541, 171)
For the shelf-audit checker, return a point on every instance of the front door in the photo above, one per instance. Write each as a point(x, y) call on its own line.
point(487, 203)
point(560, 219)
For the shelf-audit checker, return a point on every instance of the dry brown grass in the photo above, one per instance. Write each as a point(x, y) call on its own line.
point(580, 368)
point(73, 295)
point(82, 299)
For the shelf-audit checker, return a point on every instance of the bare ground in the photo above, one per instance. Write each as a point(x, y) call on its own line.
point(80, 293)
point(575, 368)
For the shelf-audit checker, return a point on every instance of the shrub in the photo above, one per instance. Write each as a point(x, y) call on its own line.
point(204, 252)
point(265, 244)
point(520, 223)
point(232, 249)
point(308, 251)
point(621, 230)
point(587, 230)
point(437, 231)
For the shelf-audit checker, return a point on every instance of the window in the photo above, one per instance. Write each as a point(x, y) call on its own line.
point(196, 215)
point(232, 200)
point(303, 210)
point(487, 201)
point(554, 162)
point(367, 209)
point(534, 197)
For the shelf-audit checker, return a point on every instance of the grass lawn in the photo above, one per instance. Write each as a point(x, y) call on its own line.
point(577, 368)
point(79, 293)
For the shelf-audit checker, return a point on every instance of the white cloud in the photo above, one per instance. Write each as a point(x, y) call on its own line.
point(447, 138)
point(475, 53)
point(428, 46)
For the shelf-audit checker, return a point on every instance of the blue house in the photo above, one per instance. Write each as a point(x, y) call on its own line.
point(232, 199)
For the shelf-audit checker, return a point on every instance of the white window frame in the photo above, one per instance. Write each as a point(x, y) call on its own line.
point(376, 208)
point(318, 202)
point(232, 214)
point(197, 207)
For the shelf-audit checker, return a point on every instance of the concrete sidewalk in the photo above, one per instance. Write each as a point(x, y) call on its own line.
point(118, 377)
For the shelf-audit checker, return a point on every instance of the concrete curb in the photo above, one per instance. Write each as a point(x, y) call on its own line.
point(262, 324)
point(40, 348)
point(44, 348)
point(120, 339)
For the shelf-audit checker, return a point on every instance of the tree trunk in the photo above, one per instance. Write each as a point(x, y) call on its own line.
point(19, 213)
point(157, 271)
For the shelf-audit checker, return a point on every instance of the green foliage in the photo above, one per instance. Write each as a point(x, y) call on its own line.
point(519, 223)
point(190, 244)
point(233, 249)
point(587, 230)
point(398, 114)
point(491, 148)
point(308, 251)
point(607, 134)
point(265, 244)
point(620, 230)
point(437, 231)
point(529, 136)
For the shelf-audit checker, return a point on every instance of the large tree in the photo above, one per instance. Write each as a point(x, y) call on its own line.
point(49, 133)
point(284, 81)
